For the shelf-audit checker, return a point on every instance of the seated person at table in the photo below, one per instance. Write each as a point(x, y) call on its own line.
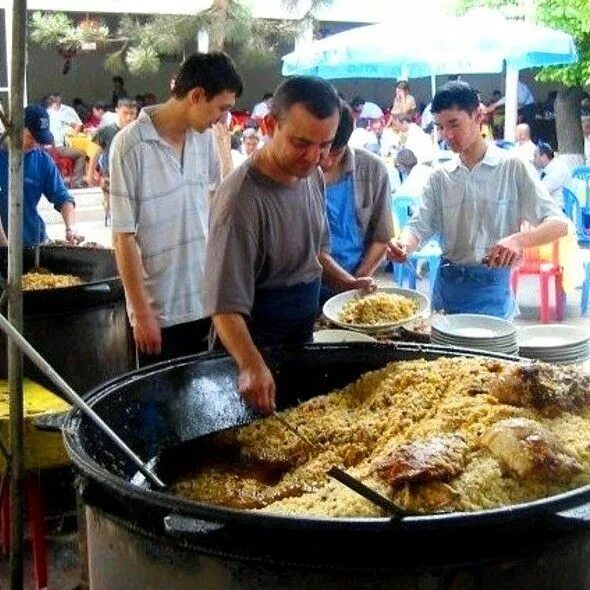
point(100, 117)
point(524, 148)
point(126, 112)
point(64, 120)
point(414, 176)
point(555, 172)
point(358, 204)
point(403, 102)
point(364, 137)
point(41, 177)
point(410, 136)
point(477, 203)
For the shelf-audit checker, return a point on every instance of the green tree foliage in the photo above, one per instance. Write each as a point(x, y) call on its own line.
point(139, 43)
point(571, 16)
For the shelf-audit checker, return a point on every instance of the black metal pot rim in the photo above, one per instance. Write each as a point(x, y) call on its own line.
point(177, 505)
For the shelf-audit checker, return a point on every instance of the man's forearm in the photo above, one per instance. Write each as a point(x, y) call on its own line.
point(235, 336)
point(373, 256)
point(68, 213)
point(131, 273)
point(335, 275)
point(549, 231)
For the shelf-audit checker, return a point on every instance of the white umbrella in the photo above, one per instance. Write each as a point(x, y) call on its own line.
point(482, 41)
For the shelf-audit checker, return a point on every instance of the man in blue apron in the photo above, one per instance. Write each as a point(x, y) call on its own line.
point(477, 203)
point(358, 198)
point(269, 240)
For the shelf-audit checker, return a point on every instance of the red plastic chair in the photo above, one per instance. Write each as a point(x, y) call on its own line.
point(36, 524)
point(65, 165)
point(534, 264)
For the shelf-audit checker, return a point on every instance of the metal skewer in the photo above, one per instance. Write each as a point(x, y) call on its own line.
point(352, 483)
point(75, 399)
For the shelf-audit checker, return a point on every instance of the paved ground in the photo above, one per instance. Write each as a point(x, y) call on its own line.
point(62, 547)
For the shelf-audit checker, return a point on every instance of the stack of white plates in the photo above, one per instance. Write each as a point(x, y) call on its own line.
point(469, 330)
point(555, 343)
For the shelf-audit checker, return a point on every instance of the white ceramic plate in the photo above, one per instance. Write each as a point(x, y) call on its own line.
point(334, 305)
point(472, 326)
point(551, 336)
point(335, 336)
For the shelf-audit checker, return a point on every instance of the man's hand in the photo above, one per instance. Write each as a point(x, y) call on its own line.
point(507, 252)
point(396, 251)
point(147, 333)
point(257, 387)
point(73, 237)
point(366, 284)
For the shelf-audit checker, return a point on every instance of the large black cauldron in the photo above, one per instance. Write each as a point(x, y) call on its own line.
point(142, 539)
point(82, 331)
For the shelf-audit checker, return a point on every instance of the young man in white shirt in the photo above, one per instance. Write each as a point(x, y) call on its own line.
point(477, 203)
point(162, 168)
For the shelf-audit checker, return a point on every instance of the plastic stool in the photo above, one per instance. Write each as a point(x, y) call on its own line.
point(37, 527)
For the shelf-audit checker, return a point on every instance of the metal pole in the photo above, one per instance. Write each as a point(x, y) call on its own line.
point(15, 309)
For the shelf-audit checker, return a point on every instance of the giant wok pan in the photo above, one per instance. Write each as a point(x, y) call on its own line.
point(161, 411)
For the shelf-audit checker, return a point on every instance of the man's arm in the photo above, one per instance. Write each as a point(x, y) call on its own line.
point(401, 249)
point(68, 213)
point(341, 280)
point(146, 328)
point(92, 162)
point(255, 383)
point(508, 251)
point(371, 259)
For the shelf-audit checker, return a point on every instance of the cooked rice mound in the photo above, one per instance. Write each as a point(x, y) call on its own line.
point(378, 308)
point(263, 466)
point(33, 281)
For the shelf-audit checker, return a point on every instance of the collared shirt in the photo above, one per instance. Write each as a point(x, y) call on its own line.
point(41, 177)
point(555, 176)
point(474, 209)
point(164, 201)
point(60, 122)
point(372, 194)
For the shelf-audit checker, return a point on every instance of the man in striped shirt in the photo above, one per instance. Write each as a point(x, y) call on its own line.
point(162, 167)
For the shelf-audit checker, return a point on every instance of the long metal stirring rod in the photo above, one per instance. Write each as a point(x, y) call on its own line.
point(75, 399)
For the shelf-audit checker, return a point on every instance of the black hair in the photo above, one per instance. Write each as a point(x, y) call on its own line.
point(235, 141)
point(545, 149)
point(118, 79)
point(101, 106)
point(356, 102)
point(403, 117)
point(406, 158)
point(126, 103)
point(317, 96)
point(345, 127)
point(267, 95)
point(213, 72)
point(456, 94)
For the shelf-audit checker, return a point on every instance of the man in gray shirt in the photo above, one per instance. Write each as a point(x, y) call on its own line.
point(269, 237)
point(162, 167)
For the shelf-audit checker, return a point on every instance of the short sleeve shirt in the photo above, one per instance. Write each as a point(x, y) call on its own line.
point(165, 203)
point(262, 235)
